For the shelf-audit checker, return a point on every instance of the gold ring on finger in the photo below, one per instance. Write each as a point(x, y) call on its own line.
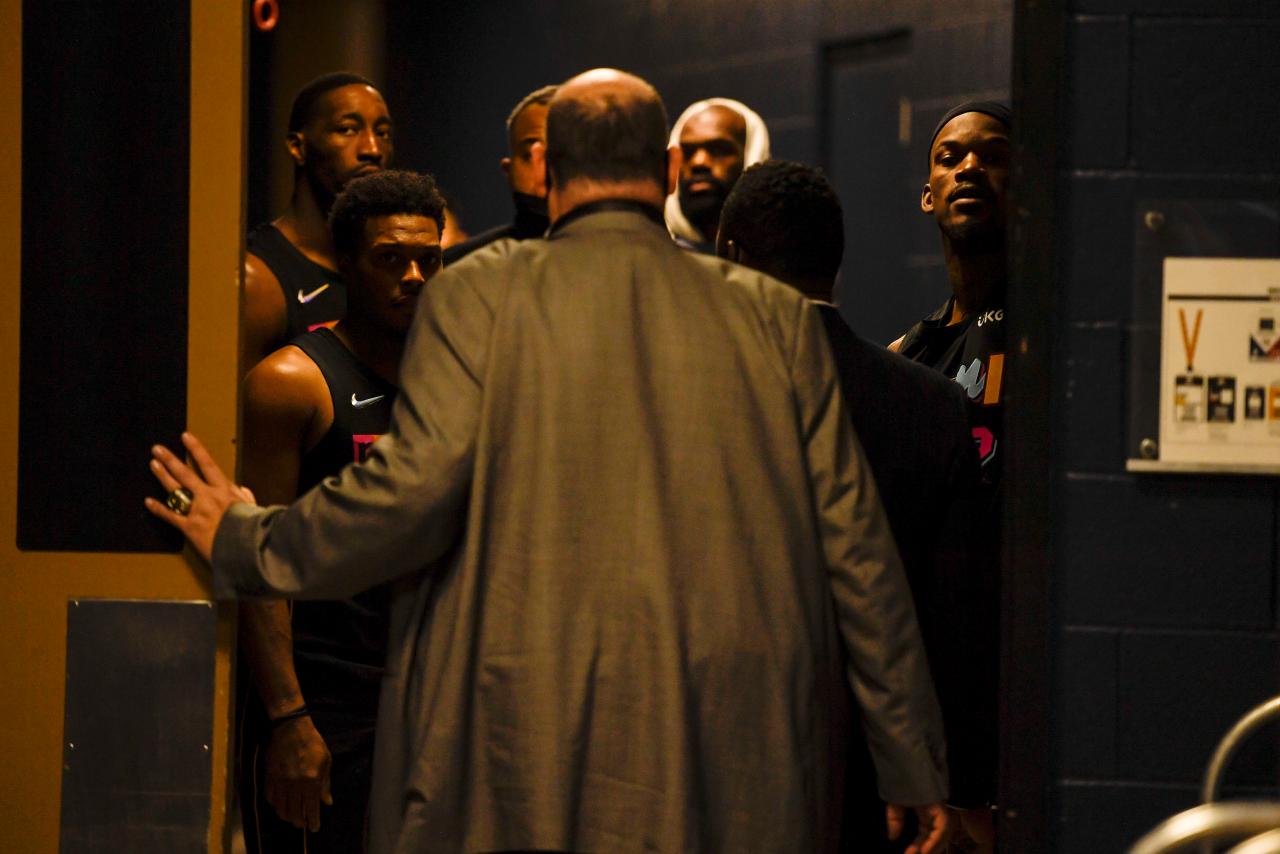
point(179, 501)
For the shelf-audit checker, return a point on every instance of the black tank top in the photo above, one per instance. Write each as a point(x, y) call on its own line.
point(314, 296)
point(971, 353)
point(339, 647)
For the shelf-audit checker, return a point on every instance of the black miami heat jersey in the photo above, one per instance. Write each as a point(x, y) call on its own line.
point(340, 646)
point(314, 296)
point(971, 352)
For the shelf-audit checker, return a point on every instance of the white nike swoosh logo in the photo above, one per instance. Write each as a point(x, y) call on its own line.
point(306, 298)
point(361, 404)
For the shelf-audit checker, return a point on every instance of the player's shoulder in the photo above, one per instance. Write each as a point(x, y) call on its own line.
point(287, 378)
point(258, 274)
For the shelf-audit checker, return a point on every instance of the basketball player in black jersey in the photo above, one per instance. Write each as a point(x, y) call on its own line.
point(311, 408)
point(967, 194)
point(339, 129)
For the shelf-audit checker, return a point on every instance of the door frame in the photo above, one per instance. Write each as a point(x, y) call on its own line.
point(1027, 660)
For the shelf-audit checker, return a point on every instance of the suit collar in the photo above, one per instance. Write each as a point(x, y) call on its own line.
point(607, 213)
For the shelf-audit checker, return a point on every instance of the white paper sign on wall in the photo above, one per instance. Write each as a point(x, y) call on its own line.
point(1220, 365)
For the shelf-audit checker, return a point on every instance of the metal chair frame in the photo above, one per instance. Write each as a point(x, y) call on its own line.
point(1208, 822)
point(1265, 843)
point(1216, 820)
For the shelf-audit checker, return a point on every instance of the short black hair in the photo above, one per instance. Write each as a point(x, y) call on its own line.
point(787, 216)
point(384, 193)
point(541, 96)
point(304, 103)
point(608, 137)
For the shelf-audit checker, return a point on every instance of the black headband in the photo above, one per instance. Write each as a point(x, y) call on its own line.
point(996, 110)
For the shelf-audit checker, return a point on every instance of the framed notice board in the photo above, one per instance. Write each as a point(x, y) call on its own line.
point(1219, 366)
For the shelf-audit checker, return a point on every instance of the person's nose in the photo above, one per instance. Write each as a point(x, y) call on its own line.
point(700, 159)
point(372, 148)
point(412, 280)
point(971, 164)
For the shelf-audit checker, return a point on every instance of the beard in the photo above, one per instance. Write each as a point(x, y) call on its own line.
point(703, 209)
point(975, 238)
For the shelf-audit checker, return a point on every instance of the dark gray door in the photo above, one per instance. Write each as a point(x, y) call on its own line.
point(868, 133)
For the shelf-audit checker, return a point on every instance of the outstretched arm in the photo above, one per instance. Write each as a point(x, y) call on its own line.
point(392, 515)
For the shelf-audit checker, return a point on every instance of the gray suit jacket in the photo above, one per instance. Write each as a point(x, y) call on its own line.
point(630, 525)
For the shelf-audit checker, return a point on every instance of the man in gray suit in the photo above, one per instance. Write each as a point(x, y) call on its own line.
point(628, 526)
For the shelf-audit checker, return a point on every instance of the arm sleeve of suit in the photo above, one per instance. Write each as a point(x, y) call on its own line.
point(401, 509)
point(967, 648)
point(887, 668)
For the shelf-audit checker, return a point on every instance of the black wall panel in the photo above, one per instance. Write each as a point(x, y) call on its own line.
point(1100, 818)
point(1099, 125)
point(1178, 697)
point(1091, 385)
point(1088, 698)
point(1172, 551)
point(1097, 262)
point(1193, 78)
point(106, 95)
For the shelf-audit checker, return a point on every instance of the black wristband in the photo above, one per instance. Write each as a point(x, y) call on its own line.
point(300, 712)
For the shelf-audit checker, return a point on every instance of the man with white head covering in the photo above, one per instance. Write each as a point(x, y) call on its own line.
point(719, 137)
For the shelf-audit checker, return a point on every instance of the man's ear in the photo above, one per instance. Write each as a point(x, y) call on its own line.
point(926, 200)
point(297, 147)
point(734, 251)
point(675, 159)
point(537, 160)
point(727, 249)
point(505, 165)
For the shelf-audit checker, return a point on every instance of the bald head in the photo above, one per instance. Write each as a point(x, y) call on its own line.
point(607, 126)
point(601, 81)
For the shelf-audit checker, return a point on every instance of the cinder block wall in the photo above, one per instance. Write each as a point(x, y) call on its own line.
point(1163, 588)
